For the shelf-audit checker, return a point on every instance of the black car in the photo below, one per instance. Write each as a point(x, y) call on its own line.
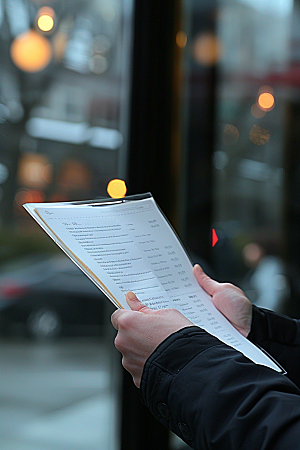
point(51, 296)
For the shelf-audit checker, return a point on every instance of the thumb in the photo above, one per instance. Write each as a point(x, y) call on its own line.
point(135, 304)
point(207, 283)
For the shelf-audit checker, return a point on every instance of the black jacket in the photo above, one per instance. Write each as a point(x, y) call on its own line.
point(215, 398)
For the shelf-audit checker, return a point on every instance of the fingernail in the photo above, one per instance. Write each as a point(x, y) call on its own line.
point(198, 268)
point(131, 296)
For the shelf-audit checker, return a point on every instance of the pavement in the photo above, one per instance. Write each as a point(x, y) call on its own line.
point(61, 395)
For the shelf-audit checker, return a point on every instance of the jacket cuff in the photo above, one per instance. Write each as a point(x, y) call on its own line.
point(162, 367)
point(268, 326)
point(212, 396)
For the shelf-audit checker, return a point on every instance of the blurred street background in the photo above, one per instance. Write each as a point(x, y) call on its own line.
point(58, 395)
point(196, 101)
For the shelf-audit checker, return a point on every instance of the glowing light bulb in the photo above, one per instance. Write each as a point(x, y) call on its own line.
point(266, 101)
point(265, 98)
point(116, 188)
point(45, 18)
point(45, 22)
point(31, 52)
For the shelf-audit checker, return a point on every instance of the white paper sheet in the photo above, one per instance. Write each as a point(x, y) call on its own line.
point(130, 246)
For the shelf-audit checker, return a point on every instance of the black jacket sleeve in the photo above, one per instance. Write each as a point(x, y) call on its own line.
point(279, 335)
point(215, 398)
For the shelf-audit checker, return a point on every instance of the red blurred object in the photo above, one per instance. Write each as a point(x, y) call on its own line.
point(10, 289)
point(214, 237)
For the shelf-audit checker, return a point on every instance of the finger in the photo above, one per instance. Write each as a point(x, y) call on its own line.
point(115, 318)
point(135, 304)
point(208, 284)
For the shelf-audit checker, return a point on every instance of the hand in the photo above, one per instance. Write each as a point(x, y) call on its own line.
point(229, 300)
point(141, 330)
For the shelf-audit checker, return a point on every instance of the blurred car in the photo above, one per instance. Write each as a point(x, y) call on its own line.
point(49, 297)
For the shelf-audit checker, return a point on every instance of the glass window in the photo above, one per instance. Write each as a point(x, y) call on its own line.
point(64, 123)
point(241, 90)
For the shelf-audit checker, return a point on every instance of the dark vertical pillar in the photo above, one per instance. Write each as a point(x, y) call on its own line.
point(291, 216)
point(140, 429)
point(149, 168)
point(152, 100)
point(199, 138)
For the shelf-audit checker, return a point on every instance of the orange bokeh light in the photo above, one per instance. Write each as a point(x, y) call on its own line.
point(31, 52)
point(266, 101)
point(45, 22)
point(181, 39)
point(116, 188)
point(207, 49)
point(34, 170)
point(45, 18)
point(29, 196)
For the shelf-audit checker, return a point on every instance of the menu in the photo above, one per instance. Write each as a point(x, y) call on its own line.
point(128, 245)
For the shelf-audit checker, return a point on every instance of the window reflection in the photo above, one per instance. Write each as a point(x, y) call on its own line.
point(246, 82)
point(64, 125)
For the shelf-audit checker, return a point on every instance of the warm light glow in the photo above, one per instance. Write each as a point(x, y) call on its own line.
point(32, 169)
point(116, 188)
point(207, 49)
point(257, 112)
point(266, 101)
point(252, 254)
point(258, 135)
point(181, 39)
point(230, 135)
point(45, 22)
point(29, 196)
point(31, 52)
point(45, 18)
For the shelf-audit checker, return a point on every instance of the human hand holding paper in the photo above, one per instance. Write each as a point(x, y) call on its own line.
point(229, 300)
point(141, 330)
point(129, 246)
